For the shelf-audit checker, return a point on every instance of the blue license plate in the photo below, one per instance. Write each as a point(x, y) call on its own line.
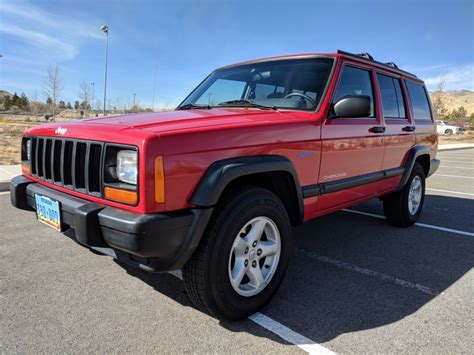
point(48, 211)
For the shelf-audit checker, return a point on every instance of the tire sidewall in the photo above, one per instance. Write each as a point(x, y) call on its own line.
point(417, 171)
point(241, 212)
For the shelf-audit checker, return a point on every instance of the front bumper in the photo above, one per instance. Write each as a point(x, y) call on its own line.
point(154, 242)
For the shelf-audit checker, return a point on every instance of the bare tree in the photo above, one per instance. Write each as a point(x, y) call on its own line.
point(439, 97)
point(85, 94)
point(53, 84)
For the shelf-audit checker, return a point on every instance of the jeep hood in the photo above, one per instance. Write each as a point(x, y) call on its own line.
point(161, 122)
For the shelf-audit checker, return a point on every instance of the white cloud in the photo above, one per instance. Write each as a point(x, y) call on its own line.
point(53, 35)
point(51, 20)
point(458, 76)
point(41, 40)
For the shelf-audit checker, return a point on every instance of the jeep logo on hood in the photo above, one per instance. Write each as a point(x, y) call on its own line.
point(61, 131)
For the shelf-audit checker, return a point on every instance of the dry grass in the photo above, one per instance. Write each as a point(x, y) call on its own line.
point(10, 142)
point(467, 137)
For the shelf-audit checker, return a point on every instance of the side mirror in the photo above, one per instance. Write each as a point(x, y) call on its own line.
point(353, 106)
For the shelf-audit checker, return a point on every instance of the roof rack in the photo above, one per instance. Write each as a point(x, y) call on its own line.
point(369, 58)
point(365, 55)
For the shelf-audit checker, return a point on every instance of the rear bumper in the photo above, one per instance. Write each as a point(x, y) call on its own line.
point(155, 242)
point(434, 165)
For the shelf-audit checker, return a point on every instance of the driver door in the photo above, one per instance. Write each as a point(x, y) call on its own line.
point(352, 148)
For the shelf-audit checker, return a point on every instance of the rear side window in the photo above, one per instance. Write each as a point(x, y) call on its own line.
point(392, 98)
point(355, 81)
point(419, 102)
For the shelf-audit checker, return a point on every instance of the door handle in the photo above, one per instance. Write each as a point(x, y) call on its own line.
point(408, 128)
point(377, 129)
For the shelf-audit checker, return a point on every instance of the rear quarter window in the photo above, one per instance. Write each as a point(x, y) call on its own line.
point(419, 101)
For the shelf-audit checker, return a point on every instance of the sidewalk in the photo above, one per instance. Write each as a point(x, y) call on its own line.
point(454, 146)
point(6, 174)
point(9, 171)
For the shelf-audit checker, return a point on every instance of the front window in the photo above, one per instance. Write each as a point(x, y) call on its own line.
point(355, 81)
point(287, 84)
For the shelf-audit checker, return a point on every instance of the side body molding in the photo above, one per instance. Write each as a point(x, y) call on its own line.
point(222, 172)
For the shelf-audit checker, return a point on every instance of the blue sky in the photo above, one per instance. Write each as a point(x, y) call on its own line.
point(185, 40)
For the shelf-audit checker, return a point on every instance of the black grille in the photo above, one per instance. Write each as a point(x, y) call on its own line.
point(70, 163)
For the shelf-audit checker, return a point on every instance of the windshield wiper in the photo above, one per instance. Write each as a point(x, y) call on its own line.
point(245, 103)
point(193, 106)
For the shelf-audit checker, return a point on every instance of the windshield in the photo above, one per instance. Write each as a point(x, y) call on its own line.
point(288, 84)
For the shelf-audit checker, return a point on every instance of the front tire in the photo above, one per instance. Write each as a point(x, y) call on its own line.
point(242, 258)
point(448, 132)
point(403, 208)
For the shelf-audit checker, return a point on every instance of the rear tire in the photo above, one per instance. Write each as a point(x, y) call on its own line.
point(403, 208)
point(228, 248)
point(448, 132)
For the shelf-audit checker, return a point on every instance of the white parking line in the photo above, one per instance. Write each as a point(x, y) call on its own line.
point(454, 167)
point(289, 335)
point(456, 176)
point(458, 161)
point(451, 192)
point(279, 329)
point(376, 274)
point(424, 225)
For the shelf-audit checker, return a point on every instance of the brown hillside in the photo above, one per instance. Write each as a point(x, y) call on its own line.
point(454, 99)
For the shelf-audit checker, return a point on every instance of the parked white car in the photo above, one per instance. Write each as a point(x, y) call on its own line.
point(447, 129)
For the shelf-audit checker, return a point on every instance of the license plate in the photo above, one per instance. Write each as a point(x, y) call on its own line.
point(48, 211)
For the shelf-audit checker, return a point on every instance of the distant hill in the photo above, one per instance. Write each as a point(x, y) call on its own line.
point(5, 93)
point(457, 98)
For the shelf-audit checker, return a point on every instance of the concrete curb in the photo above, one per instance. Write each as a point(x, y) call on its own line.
point(7, 172)
point(443, 149)
point(4, 186)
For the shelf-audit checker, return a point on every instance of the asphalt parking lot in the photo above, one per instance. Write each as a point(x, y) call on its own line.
point(354, 285)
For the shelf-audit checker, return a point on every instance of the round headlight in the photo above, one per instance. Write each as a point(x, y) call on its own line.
point(127, 166)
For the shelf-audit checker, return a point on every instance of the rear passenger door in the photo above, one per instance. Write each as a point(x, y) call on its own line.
point(399, 129)
point(352, 148)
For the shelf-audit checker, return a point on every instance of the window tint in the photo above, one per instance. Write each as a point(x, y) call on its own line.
point(419, 102)
point(392, 98)
point(355, 81)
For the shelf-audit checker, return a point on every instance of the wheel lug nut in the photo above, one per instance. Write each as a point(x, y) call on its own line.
point(254, 244)
point(246, 263)
point(254, 263)
point(259, 252)
point(246, 250)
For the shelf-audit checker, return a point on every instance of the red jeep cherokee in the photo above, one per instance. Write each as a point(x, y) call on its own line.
point(214, 187)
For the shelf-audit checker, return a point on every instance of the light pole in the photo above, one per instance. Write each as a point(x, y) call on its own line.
point(92, 103)
point(105, 29)
point(134, 100)
point(154, 87)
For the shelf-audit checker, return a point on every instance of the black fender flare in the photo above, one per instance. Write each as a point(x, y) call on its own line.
point(413, 154)
point(222, 172)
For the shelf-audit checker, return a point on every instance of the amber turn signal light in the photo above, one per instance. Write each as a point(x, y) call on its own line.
point(26, 168)
point(119, 195)
point(159, 180)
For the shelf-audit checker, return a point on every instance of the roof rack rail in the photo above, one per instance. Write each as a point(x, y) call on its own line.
point(365, 55)
point(392, 64)
point(368, 57)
